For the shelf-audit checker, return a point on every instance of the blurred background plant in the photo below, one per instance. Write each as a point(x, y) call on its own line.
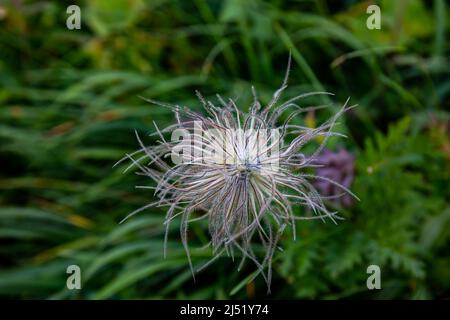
point(69, 105)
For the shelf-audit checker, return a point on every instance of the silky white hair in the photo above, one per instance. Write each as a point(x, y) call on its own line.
point(245, 199)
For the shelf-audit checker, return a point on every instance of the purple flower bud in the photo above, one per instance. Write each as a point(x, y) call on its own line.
point(339, 167)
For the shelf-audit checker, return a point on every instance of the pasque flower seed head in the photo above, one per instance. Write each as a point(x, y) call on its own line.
point(244, 172)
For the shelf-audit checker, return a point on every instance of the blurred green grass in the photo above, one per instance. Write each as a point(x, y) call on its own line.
point(69, 105)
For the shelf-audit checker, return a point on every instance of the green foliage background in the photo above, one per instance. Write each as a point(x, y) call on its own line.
point(69, 105)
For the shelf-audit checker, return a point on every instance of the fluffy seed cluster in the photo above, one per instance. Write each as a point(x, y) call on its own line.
point(243, 172)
